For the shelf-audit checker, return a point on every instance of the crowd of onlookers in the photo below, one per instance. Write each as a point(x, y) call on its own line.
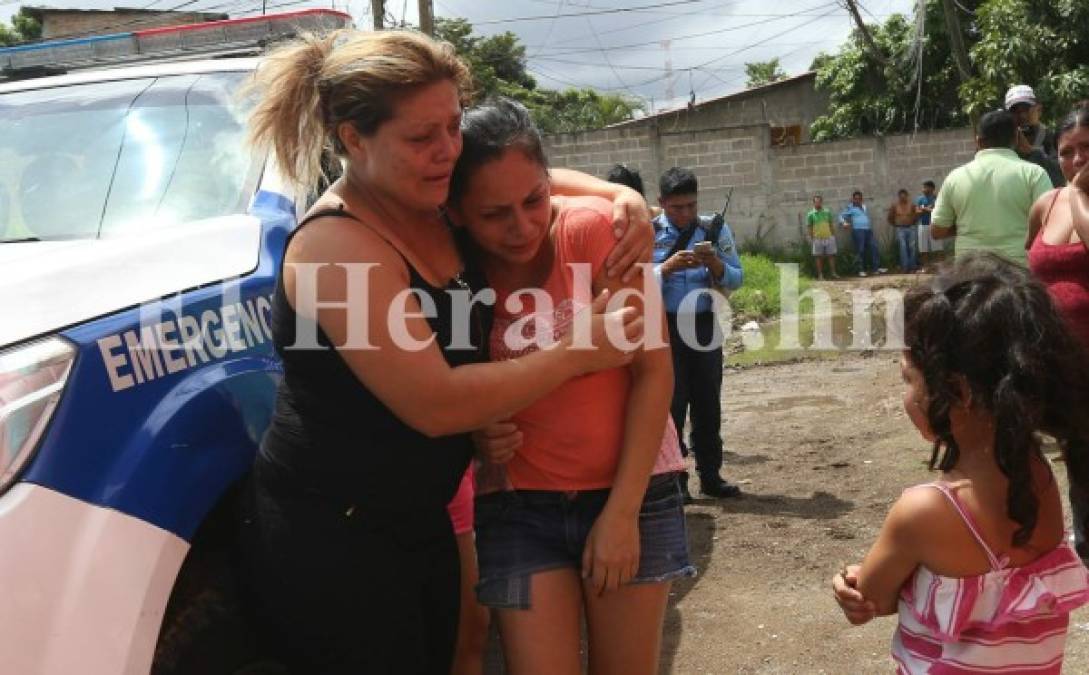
point(984, 204)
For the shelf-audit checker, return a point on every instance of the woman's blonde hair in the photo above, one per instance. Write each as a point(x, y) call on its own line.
point(310, 86)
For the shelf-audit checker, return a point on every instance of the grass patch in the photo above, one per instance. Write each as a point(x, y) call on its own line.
point(800, 253)
point(758, 298)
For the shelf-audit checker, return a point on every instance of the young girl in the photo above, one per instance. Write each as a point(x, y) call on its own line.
point(582, 526)
point(977, 564)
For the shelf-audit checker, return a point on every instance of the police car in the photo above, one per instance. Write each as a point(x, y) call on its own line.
point(139, 243)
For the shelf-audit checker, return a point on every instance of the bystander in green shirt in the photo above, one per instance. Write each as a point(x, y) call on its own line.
point(820, 222)
point(988, 200)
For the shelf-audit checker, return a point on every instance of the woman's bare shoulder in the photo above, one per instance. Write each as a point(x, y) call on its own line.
point(337, 236)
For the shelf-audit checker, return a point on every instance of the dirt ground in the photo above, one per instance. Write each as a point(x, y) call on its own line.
point(821, 449)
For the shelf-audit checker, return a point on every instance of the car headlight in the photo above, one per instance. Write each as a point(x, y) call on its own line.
point(32, 377)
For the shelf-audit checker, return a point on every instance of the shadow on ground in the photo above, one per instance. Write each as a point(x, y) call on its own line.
point(820, 506)
point(701, 531)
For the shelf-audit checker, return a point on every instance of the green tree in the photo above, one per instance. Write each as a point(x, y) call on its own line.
point(763, 72)
point(498, 64)
point(1042, 43)
point(23, 27)
point(579, 109)
point(868, 97)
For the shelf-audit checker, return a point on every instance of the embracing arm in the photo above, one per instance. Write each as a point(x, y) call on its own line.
point(631, 218)
point(398, 359)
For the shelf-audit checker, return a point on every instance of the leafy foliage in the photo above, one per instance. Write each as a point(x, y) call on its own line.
point(763, 72)
point(868, 97)
point(1043, 43)
point(23, 27)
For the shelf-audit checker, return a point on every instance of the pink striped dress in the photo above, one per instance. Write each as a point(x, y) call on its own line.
point(1009, 620)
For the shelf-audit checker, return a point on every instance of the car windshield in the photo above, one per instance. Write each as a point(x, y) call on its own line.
point(107, 158)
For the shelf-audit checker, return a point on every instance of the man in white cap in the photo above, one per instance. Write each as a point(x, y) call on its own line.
point(1035, 142)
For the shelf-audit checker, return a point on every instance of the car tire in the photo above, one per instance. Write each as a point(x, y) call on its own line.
point(206, 629)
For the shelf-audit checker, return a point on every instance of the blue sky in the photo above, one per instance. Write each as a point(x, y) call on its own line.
point(584, 43)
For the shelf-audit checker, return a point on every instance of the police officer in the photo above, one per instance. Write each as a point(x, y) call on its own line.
point(693, 255)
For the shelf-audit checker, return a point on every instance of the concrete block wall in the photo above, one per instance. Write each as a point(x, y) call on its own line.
point(595, 152)
point(772, 187)
point(929, 156)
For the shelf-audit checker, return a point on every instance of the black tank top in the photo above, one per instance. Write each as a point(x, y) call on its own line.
point(331, 437)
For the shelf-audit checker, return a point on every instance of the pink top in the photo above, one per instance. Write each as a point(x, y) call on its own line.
point(1008, 620)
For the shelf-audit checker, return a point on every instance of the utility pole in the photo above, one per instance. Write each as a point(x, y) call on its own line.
point(669, 93)
point(872, 46)
point(427, 17)
point(378, 13)
point(956, 41)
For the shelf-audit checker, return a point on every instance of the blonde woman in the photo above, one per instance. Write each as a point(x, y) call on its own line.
point(350, 551)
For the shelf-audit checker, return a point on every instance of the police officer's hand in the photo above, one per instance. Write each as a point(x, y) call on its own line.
point(681, 260)
point(497, 443)
point(706, 257)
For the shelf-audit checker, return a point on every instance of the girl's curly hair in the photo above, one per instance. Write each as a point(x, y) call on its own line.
point(986, 319)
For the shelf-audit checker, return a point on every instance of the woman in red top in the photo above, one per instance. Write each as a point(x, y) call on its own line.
point(1058, 253)
point(1058, 241)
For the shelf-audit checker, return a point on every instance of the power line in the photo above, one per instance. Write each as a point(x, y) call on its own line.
point(551, 26)
point(758, 43)
point(655, 20)
point(643, 45)
point(707, 63)
point(717, 31)
point(616, 10)
point(612, 65)
point(605, 55)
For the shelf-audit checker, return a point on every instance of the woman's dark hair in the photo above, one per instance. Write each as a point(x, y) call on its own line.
point(988, 320)
point(487, 131)
point(1078, 117)
point(626, 176)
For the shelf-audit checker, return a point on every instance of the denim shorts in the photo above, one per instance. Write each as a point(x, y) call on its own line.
point(523, 532)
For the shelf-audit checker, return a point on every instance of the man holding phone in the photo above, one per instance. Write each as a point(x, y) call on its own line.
point(694, 257)
point(1034, 142)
